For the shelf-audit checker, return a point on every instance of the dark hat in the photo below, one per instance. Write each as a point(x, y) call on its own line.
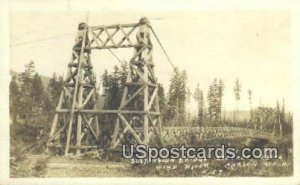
point(82, 26)
point(144, 20)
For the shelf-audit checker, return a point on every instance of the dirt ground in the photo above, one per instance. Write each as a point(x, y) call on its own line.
point(58, 166)
point(53, 166)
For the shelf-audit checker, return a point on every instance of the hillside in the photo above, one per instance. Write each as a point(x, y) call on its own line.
point(45, 79)
point(243, 114)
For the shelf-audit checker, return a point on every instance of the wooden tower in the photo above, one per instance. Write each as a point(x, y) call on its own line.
point(76, 124)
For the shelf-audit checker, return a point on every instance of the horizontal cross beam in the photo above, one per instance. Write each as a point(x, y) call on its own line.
point(101, 111)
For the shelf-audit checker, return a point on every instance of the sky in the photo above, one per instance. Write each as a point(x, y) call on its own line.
point(254, 46)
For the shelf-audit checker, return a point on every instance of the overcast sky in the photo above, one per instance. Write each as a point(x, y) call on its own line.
point(254, 46)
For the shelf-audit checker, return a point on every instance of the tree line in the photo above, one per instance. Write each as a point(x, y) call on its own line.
point(32, 103)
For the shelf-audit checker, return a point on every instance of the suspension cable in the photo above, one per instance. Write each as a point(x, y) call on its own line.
point(116, 56)
point(165, 52)
point(42, 39)
point(160, 44)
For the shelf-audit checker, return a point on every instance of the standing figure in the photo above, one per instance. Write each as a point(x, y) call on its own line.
point(79, 38)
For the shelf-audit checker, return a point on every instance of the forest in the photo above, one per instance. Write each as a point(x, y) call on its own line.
point(33, 100)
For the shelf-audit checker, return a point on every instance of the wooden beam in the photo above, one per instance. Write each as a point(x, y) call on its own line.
point(55, 121)
point(154, 94)
point(115, 144)
point(113, 47)
point(132, 97)
point(114, 26)
point(88, 98)
point(101, 111)
point(75, 93)
point(79, 120)
point(137, 53)
point(110, 36)
point(125, 122)
point(126, 36)
point(97, 36)
point(88, 122)
point(96, 40)
point(115, 133)
point(146, 105)
point(139, 74)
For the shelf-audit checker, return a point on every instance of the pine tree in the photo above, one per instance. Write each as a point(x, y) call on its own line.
point(105, 78)
point(172, 108)
point(37, 100)
point(114, 91)
point(214, 99)
point(26, 88)
point(177, 97)
point(210, 99)
point(14, 96)
point(114, 84)
point(182, 97)
point(162, 101)
point(54, 88)
point(220, 94)
point(237, 91)
point(123, 73)
point(250, 104)
point(283, 121)
point(198, 95)
point(37, 89)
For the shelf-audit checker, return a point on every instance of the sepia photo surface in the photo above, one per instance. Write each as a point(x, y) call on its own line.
point(156, 92)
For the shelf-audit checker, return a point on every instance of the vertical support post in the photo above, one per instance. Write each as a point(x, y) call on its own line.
point(78, 134)
point(280, 129)
point(116, 131)
point(97, 126)
point(144, 39)
point(274, 130)
point(146, 99)
point(139, 87)
point(77, 84)
point(55, 121)
point(159, 116)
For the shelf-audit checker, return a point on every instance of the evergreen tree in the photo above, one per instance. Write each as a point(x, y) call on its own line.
point(26, 88)
point(37, 89)
point(177, 97)
point(210, 99)
point(114, 90)
point(172, 109)
point(283, 120)
point(220, 94)
point(123, 73)
point(214, 99)
point(250, 104)
point(105, 78)
point(162, 101)
point(183, 95)
point(114, 84)
point(54, 88)
point(198, 95)
point(14, 96)
point(237, 92)
point(31, 101)
point(37, 100)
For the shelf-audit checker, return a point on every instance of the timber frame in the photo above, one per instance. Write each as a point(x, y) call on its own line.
point(75, 127)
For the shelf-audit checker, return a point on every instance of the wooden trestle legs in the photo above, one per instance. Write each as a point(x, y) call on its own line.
point(75, 126)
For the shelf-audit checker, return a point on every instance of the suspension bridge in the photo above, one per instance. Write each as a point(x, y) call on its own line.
point(76, 127)
point(183, 134)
